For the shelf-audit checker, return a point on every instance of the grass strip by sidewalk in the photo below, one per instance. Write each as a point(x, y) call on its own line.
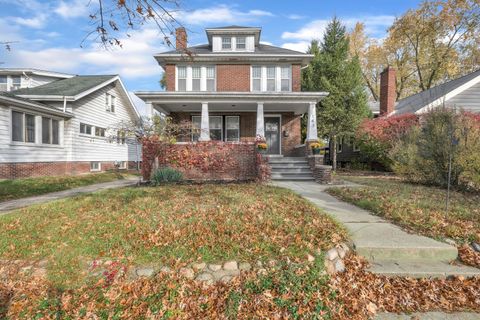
point(22, 188)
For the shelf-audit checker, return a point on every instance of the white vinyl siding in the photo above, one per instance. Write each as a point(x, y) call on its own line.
point(271, 78)
point(196, 78)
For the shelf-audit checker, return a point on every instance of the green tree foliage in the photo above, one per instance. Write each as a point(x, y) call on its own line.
point(335, 71)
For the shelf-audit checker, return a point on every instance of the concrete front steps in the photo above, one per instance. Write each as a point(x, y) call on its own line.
point(290, 169)
point(390, 250)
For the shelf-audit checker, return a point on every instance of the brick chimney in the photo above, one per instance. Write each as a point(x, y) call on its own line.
point(181, 37)
point(388, 92)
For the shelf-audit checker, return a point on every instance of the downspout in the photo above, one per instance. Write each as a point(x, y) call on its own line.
point(64, 104)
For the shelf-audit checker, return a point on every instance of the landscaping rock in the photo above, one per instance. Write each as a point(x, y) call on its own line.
point(214, 267)
point(332, 254)
point(230, 265)
point(476, 246)
point(205, 277)
point(330, 267)
point(339, 266)
point(187, 273)
point(199, 266)
point(226, 279)
point(451, 242)
point(341, 252)
point(145, 272)
point(245, 266)
point(165, 269)
point(42, 263)
point(39, 273)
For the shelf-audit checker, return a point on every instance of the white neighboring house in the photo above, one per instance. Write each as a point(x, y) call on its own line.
point(19, 78)
point(66, 127)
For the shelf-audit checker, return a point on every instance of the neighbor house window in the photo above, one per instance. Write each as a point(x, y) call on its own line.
point(85, 129)
point(241, 43)
point(3, 83)
point(50, 131)
point(256, 78)
point(232, 128)
point(271, 79)
point(121, 137)
point(196, 78)
point(23, 127)
point(339, 145)
point(95, 166)
point(355, 146)
point(226, 43)
point(285, 78)
point(215, 124)
point(122, 165)
point(110, 102)
point(210, 78)
point(16, 82)
point(182, 79)
point(100, 132)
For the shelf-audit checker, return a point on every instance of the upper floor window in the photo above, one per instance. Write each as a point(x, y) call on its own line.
point(50, 131)
point(3, 83)
point(241, 43)
point(23, 127)
point(16, 82)
point(196, 78)
point(226, 43)
point(271, 78)
point(110, 102)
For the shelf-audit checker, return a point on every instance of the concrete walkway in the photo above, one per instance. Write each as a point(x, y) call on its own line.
point(428, 316)
point(10, 205)
point(389, 249)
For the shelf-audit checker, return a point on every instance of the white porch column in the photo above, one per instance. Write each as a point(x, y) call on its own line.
point(149, 109)
point(260, 120)
point(205, 125)
point(312, 133)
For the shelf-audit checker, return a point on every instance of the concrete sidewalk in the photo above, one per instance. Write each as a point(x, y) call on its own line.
point(10, 205)
point(428, 316)
point(389, 249)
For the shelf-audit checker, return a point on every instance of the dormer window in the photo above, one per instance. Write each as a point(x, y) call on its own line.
point(226, 43)
point(241, 43)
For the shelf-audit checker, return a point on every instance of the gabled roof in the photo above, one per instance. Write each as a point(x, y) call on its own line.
point(19, 71)
point(70, 87)
point(11, 99)
point(437, 95)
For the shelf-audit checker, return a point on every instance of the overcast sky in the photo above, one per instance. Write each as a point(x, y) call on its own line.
point(49, 33)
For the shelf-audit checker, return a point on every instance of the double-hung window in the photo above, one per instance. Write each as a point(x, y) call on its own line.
point(85, 128)
point(196, 78)
point(285, 78)
point(210, 78)
point(232, 128)
point(226, 43)
point(215, 124)
point(241, 43)
point(256, 78)
point(271, 78)
point(182, 79)
point(16, 82)
point(23, 127)
point(50, 131)
point(110, 102)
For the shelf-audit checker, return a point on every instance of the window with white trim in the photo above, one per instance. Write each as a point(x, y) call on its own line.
point(50, 131)
point(256, 78)
point(232, 128)
point(23, 127)
point(100, 132)
point(95, 166)
point(285, 78)
point(196, 78)
point(215, 124)
point(271, 78)
point(3, 83)
point(16, 82)
point(241, 43)
point(110, 102)
point(182, 79)
point(85, 128)
point(226, 43)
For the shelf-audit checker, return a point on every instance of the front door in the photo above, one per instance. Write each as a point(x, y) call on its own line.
point(272, 134)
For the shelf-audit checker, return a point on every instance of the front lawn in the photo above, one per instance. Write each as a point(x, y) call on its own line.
point(171, 225)
point(417, 207)
point(21, 188)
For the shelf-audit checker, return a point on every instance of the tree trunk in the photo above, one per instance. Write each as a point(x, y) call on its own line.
point(334, 153)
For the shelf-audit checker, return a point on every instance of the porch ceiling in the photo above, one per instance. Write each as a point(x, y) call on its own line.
point(297, 108)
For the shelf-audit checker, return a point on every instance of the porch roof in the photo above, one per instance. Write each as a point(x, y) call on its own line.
point(175, 101)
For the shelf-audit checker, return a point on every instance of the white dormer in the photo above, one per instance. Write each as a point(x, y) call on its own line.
point(233, 39)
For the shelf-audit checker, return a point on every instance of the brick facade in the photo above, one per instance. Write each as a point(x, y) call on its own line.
point(296, 77)
point(170, 77)
point(291, 126)
point(233, 77)
point(38, 169)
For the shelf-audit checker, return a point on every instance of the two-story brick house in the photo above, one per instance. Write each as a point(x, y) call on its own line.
point(235, 89)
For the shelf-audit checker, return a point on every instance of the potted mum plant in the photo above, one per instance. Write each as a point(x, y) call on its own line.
point(261, 144)
point(316, 147)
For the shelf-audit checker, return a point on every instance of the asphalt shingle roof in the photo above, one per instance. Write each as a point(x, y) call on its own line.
point(417, 101)
point(65, 87)
point(260, 49)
